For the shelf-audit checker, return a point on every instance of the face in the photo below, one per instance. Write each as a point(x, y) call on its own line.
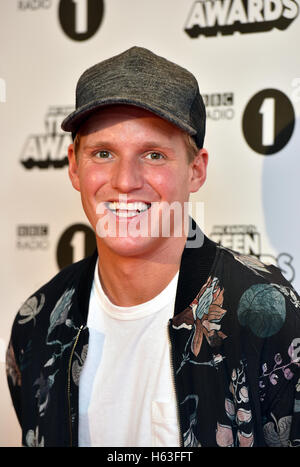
point(130, 167)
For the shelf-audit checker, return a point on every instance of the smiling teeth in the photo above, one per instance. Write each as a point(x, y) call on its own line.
point(127, 209)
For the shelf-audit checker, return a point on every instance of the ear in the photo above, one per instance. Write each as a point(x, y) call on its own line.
point(73, 168)
point(198, 170)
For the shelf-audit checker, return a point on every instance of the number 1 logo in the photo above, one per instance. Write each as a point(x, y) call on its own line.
point(81, 16)
point(80, 19)
point(267, 110)
point(74, 244)
point(268, 121)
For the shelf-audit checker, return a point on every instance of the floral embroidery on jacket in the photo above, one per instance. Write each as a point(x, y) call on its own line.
point(32, 439)
point(43, 392)
point(78, 364)
point(274, 371)
point(290, 293)
point(58, 316)
point(189, 437)
point(218, 386)
point(203, 316)
point(262, 308)
point(12, 368)
point(239, 413)
point(30, 309)
point(277, 432)
point(60, 312)
point(249, 261)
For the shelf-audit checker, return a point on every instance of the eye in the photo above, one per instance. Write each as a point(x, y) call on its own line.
point(103, 155)
point(155, 156)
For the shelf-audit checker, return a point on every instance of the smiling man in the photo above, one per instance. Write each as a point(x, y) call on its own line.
point(132, 162)
point(161, 338)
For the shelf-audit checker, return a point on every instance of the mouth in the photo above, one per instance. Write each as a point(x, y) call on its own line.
point(127, 209)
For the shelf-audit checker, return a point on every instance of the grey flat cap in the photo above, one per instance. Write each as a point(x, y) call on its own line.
point(141, 78)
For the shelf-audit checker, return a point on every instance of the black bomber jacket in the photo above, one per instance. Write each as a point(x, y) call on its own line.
point(235, 339)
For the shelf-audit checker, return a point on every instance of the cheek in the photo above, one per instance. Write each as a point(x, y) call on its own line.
point(162, 179)
point(91, 180)
point(171, 182)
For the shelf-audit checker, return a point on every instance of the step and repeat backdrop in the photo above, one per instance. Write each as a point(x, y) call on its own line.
point(245, 54)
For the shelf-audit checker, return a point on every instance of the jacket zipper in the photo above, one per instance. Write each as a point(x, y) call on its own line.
point(174, 382)
point(69, 382)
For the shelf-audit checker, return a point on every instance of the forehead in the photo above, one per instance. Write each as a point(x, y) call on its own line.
point(118, 117)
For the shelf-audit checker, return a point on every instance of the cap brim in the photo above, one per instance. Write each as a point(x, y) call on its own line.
point(73, 121)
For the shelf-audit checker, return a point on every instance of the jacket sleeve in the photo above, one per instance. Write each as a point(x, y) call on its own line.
point(14, 379)
point(279, 381)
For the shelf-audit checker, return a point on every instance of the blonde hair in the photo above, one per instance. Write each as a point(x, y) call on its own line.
point(191, 147)
point(76, 143)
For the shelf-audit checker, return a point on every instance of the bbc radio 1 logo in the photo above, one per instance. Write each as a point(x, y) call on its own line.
point(246, 239)
point(32, 237)
point(212, 17)
point(80, 19)
point(50, 148)
point(268, 121)
point(75, 243)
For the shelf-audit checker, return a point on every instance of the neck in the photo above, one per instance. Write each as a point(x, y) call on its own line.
point(136, 279)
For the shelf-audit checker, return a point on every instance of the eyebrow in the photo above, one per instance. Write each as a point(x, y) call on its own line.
point(96, 145)
point(145, 145)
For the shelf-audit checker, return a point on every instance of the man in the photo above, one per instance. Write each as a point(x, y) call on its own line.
point(160, 338)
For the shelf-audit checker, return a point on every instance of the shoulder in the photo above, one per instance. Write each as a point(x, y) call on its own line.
point(262, 298)
point(249, 268)
point(69, 277)
point(60, 292)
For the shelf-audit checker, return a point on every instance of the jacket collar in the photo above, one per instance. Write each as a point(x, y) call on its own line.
point(196, 263)
point(195, 266)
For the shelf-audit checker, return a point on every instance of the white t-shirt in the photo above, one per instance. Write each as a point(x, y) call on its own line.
point(126, 388)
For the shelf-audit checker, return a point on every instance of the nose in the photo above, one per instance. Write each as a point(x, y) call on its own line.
point(127, 176)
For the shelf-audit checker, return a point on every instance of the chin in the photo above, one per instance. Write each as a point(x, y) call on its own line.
point(128, 246)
